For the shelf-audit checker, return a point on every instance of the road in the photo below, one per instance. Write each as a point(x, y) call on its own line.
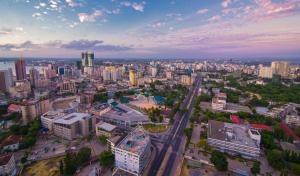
point(176, 133)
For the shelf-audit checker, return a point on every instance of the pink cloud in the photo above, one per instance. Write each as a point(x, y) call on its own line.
point(202, 11)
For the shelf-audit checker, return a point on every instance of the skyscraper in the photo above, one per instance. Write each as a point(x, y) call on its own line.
point(87, 59)
point(33, 76)
point(5, 79)
point(266, 72)
point(20, 69)
point(281, 68)
point(132, 77)
point(90, 59)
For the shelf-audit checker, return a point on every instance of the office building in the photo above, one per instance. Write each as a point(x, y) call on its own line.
point(48, 118)
point(133, 77)
point(7, 164)
point(133, 152)
point(87, 59)
point(234, 139)
point(120, 114)
point(105, 129)
point(281, 68)
point(33, 77)
point(6, 80)
point(20, 66)
point(74, 125)
point(265, 72)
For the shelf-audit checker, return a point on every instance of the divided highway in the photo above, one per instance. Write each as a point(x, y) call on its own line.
point(176, 134)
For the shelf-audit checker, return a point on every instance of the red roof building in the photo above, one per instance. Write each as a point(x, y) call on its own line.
point(235, 119)
point(14, 108)
point(288, 131)
point(261, 127)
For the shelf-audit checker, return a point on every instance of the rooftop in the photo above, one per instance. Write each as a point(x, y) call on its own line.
point(106, 126)
point(53, 114)
point(230, 132)
point(71, 118)
point(136, 141)
point(125, 113)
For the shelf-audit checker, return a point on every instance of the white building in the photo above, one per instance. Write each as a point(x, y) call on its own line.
point(74, 125)
point(293, 120)
point(234, 139)
point(49, 117)
point(266, 72)
point(219, 101)
point(133, 152)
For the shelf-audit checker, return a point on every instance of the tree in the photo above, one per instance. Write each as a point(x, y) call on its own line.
point(103, 139)
point(83, 155)
point(101, 97)
point(70, 165)
point(275, 159)
point(219, 160)
point(106, 158)
point(255, 168)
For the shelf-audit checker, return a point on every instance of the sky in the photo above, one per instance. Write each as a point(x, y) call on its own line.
point(150, 28)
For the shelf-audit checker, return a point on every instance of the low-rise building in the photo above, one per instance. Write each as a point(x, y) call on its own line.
point(11, 143)
point(234, 139)
point(112, 142)
point(219, 101)
point(133, 152)
point(49, 117)
point(292, 120)
point(104, 129)
point(123, 115)
point(7, 164)
point(74, 125)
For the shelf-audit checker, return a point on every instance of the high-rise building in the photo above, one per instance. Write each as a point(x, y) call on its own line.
point(266, 72)
point(110, 74)
point(281, 68)
point(87, 59)
point(5, 79)
point(20, 69)
point(90, 59)
point(132, 77)
point(33, 76)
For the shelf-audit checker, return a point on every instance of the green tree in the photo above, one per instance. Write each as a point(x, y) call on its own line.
point(61, 167)
point(83, 155)
point(101, 97)
point(219, 160)
point(255, 168)
point(70, 164)
point(106, 159)
point(103, 139)
point(275, 159)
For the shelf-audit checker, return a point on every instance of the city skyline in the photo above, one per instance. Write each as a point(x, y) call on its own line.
point(150, 29)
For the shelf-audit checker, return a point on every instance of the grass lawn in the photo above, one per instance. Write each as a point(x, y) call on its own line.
point(152, 128)
point(43, 168)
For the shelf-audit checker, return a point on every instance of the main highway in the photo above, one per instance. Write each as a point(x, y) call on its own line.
point(175, 136)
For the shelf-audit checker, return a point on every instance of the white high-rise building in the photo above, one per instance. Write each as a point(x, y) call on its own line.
point(110, 74)
point(133, 152)
point(281, 68)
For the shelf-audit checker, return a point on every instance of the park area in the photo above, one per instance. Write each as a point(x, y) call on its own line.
point(48, 167)
point(153, 128)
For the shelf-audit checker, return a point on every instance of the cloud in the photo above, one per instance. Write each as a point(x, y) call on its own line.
point(20, 29)
point(214, 18)
point(226, 3)
point(84, 17)
point(73, 3)
point(37, 14)
point(202, 11)
point(27, 45)
point(5, 31)
point(136, 6)
point(96, 45)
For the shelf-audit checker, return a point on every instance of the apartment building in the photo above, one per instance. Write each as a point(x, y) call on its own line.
point(133, 152)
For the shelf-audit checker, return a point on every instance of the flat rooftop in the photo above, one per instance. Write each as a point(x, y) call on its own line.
point(124, 113)
point(106, 126)
point(53, 114)
point(71, 118)
point(136, 141)
point(233, 133)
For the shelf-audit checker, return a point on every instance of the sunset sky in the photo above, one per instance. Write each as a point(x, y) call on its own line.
point(150, 28)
